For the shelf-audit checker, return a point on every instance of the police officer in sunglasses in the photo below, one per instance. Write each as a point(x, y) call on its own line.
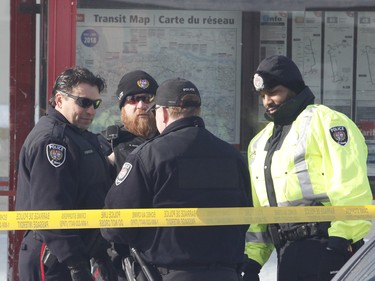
point(62, 167)
point(136, 94)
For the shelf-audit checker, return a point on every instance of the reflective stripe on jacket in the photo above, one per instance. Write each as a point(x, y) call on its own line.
point(322, 159)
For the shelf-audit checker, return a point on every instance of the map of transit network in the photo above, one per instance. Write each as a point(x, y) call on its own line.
point(207, 56)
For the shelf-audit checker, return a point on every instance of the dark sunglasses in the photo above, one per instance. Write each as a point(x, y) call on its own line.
point(137, 98)
point(83, 102)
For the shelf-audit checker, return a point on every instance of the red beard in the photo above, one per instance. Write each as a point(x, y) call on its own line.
point(142, 126)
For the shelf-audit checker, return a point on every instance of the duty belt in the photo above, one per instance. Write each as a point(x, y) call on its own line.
point(48, 259)
point(280, 236)
point(300, 232)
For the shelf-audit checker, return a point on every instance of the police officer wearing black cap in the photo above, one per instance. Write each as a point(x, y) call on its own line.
point(61, 167)
point(184, 167)
point(308, 155)
point(136, 95)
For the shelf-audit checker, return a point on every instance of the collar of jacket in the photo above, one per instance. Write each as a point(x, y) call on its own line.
point(52, 112)
point(125, 136)
point(289, 110)
point(192, 121)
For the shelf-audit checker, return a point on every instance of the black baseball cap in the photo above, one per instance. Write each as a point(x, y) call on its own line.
point(172, 92)
point(135, 82)
point(278, 70)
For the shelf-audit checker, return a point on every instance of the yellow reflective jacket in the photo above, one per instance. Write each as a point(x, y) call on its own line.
point(322, 159)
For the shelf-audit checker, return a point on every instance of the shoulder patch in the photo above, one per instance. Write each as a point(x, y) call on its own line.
point(56, 154)
point(339, 134)
point(123, 173)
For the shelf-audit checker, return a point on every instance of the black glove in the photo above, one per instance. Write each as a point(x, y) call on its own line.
point(117, 253)
point(251, 270)
point(104, 270)
point(79, 269)
point(339, 245)
point(357, 245)
point(116, 260)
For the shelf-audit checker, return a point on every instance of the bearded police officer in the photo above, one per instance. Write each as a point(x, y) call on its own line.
point(308, 155)
point(185, 166)
point(61, 167)
point(136, 94)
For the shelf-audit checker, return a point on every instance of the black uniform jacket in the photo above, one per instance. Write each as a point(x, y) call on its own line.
point(62, 168)
point(184, 167)
point(123, 145)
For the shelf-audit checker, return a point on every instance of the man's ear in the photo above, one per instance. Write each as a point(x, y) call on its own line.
point(58, 99)
point(165, 115)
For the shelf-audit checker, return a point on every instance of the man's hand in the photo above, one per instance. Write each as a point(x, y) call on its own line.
point(339, 245)
point(251, 270)
point(104, 270)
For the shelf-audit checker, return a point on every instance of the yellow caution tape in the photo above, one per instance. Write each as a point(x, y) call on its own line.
point(72, 219)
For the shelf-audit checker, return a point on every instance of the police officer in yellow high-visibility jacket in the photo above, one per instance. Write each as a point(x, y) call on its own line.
point(308, 155)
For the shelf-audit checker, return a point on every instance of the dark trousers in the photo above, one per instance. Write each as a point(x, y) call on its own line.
point(29, 264)
point(308, 260)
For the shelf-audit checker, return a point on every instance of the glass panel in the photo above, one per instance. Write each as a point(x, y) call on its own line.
point(307, 48)
point(338, 60)
point(4, 100)
point(201, 46)
point(4, 126)
point(365, 81)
